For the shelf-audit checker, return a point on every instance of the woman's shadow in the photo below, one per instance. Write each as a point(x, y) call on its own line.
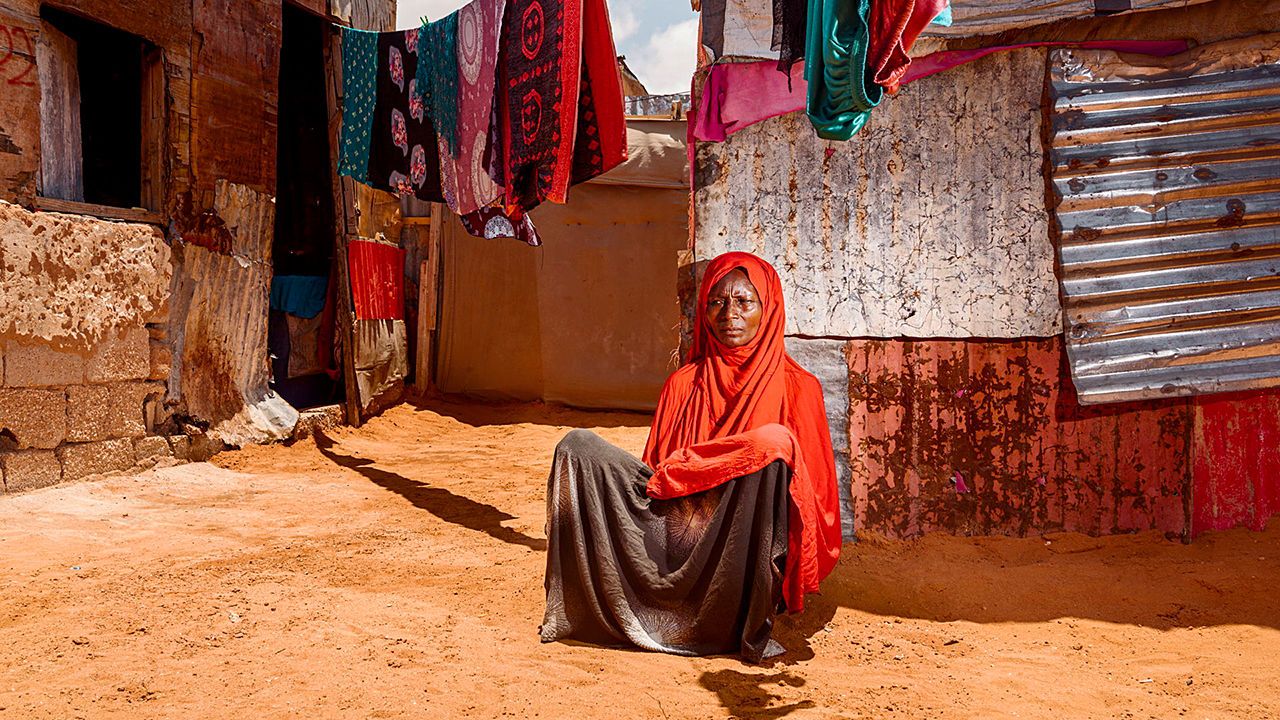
point(447, 506)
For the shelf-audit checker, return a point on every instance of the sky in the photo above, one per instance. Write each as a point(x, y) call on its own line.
point(657, 36)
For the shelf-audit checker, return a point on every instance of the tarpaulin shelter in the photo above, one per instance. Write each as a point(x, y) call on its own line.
point(581, 319)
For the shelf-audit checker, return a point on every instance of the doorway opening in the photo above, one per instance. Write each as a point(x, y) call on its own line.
point(305, 368)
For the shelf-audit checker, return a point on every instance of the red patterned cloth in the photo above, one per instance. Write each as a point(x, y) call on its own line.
point(377, 280)
point(559, 99)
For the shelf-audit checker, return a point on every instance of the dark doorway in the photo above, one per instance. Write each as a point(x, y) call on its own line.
point(306, 370)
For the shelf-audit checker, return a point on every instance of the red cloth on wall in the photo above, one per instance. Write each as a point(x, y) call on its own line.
point(731, 411)
point(377, 280)
point(895, 25)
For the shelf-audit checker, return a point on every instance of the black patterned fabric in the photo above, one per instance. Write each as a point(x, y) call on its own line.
point(403, 155)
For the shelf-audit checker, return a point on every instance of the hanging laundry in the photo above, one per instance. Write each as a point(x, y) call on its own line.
point(895, 25)
point(467, 117)
point(841, 90)
point(518, 100)
point(790, 20)
point(388, 141)
point(744, 29)
point(494, 222)
point(438, 62)
point(377, 280)
point(359, 74)
point(940, 61)
point(738, 95)
point(560, 99)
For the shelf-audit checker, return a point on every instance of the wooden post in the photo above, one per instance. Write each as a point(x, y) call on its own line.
point(344, 218)
point(428, 300)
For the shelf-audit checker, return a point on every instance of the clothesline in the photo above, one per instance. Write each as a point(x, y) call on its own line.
point(485, 110)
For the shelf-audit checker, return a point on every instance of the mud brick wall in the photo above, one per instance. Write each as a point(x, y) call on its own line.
point(84, 357)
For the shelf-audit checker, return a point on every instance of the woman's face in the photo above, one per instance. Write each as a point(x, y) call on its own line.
point(733, 310)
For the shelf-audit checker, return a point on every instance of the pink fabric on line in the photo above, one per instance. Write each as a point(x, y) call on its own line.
point(947, 59)
point(739, 95)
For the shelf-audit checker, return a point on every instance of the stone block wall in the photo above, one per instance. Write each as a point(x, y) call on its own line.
point(84, 351)
point(65, 415)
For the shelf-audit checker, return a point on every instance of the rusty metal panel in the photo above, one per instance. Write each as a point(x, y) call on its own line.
point(930, 223)
point(1237, 461)
point(986, 437)
point(1168, 184)
point(218, 324)
point(988, 17)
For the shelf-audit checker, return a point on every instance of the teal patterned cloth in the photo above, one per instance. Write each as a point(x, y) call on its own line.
point(841, 92)
point(359, 73)
point(438, 60)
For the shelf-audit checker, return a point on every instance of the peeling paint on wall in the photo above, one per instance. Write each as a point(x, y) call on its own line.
point(987, 437)
point(70, 281)
point(931, 222)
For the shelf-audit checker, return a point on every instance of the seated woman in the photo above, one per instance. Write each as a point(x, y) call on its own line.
point(732, 516)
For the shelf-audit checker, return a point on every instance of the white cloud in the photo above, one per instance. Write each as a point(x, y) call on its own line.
point(622, 16)
point(666, 63)
point(409, 13)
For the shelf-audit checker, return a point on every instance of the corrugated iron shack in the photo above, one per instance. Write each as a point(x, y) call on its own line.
point(160, 163)
point(1040, 288)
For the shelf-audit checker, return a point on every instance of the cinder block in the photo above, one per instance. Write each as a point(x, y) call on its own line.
point(81, 459)
point(181, 446)
point(161, 359)
point(126, 356)
point(150, 448)
point(30, 469)
point(38, 365)
point(33, 418)
point(102, 412)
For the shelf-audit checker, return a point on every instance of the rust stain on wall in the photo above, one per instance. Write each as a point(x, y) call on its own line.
point(986, 437)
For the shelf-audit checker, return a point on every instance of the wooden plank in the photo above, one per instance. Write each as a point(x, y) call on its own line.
point(62, 157)
point(138, 215)
point(345, 311)
point(153, 129)
point(429, 303)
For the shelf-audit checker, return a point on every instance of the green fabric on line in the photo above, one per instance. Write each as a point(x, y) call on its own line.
point(841, 95)
point(438, 60)
point(359, 79)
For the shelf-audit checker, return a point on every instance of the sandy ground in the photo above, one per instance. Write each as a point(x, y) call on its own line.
point(396, 571)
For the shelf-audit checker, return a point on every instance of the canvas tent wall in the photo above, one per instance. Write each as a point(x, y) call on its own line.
point(590, 318)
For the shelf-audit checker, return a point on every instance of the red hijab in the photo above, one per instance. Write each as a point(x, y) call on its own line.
point(729, 412)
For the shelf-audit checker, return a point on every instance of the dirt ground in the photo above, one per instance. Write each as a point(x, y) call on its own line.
point(396, 571)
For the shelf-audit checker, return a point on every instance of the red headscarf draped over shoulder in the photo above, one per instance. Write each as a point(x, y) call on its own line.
point(729, 412)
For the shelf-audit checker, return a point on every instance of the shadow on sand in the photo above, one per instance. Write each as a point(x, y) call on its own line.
point(478, 413)
point(447, 506)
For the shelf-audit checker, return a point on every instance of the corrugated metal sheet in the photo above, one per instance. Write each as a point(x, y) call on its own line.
point(988, 17)
point(826, 360)
point(986, 437)
point(219, 326)
point(1168, 177)
point(932, 223)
